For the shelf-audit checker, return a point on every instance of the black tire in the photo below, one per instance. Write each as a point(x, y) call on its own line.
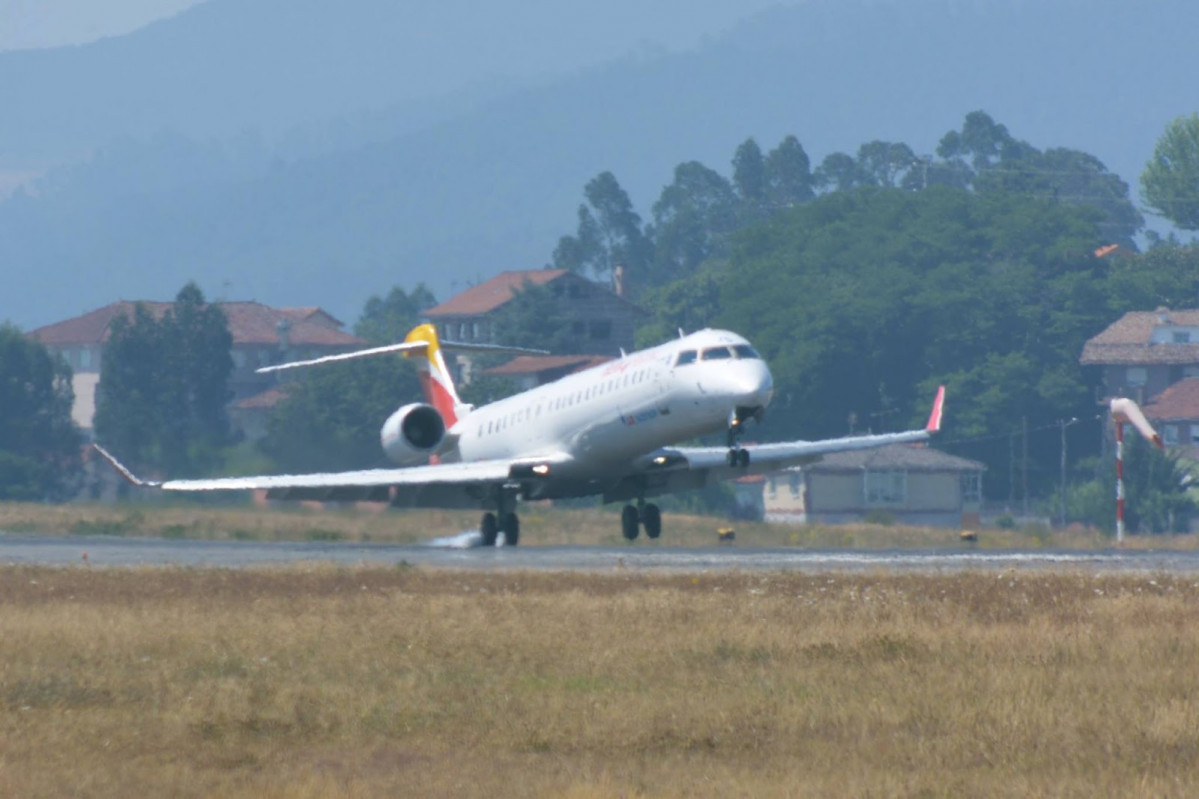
point(510, 526)
point(489, 528)
point(732, 458)
point(743, 458)
point(651, 519)
point(630, 524)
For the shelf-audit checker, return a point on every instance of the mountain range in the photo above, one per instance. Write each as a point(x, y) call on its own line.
point(237, 146)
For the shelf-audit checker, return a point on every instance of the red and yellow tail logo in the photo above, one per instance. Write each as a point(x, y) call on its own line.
point(434, 376)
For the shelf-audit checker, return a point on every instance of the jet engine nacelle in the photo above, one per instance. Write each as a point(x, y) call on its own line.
point(412, 432)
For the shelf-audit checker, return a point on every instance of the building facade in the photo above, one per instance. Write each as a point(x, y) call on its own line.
point(912, 484)
point(1143, 353)
point(601, 321)
point(261, 336)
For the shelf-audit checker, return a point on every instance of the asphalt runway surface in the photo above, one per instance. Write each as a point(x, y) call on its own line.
point(458, 553)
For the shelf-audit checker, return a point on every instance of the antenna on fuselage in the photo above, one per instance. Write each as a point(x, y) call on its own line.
point(681, 333)
point(623, 354)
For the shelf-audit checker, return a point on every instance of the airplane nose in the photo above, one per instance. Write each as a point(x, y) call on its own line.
point(753, 386)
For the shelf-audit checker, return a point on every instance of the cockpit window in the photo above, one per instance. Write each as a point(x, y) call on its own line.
point(716, 354)
point(747, 352)
point(685, 357)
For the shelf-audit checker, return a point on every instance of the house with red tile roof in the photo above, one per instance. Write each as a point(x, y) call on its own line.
point(602, 322)
point(1143, 353)
point(1175, 415)
point(262, 335)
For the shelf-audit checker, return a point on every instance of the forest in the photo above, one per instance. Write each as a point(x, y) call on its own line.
point(866, 280)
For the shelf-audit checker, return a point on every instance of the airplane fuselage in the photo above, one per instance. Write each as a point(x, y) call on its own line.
point(616, 411)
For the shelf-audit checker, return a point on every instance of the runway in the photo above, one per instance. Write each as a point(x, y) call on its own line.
point(98, 551)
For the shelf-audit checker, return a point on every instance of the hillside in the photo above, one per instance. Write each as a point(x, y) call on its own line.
point(461, 192)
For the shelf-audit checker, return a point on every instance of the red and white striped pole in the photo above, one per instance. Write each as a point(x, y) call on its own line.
point(1124, 411)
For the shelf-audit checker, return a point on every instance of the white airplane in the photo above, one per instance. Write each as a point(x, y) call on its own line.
point(606, 431)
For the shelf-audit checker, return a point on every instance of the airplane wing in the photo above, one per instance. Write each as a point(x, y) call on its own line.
point(442, 485)
point(672, 469)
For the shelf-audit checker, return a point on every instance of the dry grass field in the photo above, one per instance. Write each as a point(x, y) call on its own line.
point(328, 682)
point(540, 526)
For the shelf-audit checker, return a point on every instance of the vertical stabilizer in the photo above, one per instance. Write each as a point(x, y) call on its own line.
point(435, 378)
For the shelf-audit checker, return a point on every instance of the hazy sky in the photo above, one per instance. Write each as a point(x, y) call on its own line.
point(26, 24)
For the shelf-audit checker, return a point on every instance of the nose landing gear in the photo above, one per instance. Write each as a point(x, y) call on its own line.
point(739, 456)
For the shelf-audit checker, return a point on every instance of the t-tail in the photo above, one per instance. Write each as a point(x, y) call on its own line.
point(421, 343)
point(435, 379)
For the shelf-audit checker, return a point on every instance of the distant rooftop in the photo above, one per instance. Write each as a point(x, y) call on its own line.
point(491, 294)
point(249, 323)
point(910, 457)
point(1178, 402)
point(1131, 339)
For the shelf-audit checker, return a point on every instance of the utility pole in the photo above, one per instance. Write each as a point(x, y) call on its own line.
point(1024, 474)
point(1064, 423)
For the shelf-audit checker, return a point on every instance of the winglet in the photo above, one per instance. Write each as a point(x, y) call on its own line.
point(934, 418)
point(124, 472)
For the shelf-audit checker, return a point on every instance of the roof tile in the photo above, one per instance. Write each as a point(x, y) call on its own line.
point(249, 323)
point(1128, 340)
point(491, 294)
point(1179, 401)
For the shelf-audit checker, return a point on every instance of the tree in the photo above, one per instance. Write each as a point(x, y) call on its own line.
point(39, 443)
point(838, 172)
point(164, 386)
point(749, 173)
point(1170, 182)
point(1155, 487)
point(788, 174)
point(386, 320)
point(332, 414)
point(609, 234)
point(692, 219)
point(864, 300)
point(883, 163)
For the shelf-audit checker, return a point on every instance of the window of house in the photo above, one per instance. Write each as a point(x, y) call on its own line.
point(600, 330)
point(972, 487)
point(1194, 433)
point(475, 330)
point(239, 359)
point(1181, 337)
point(772, 487)
point(1136, 375)
point(886, 487)
point(793, 479)
point(85, 358)
point(1190, 371)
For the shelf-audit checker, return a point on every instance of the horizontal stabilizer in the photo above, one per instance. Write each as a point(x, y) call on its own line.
point(404, 346)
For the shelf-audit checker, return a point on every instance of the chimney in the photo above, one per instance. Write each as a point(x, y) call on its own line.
point(618, 280)
point(283, 328)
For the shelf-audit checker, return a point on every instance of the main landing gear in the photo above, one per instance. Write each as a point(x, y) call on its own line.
point(506, 523)
point(634, 517)
point(739, 456)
